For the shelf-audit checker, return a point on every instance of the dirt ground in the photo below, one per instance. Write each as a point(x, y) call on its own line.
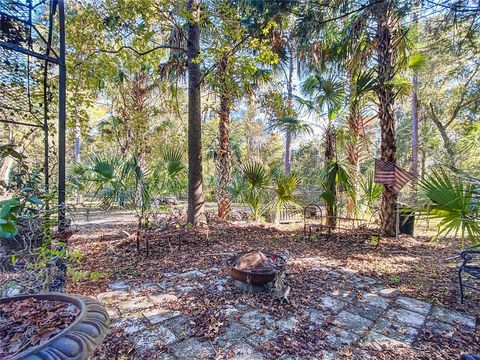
point(417, 267)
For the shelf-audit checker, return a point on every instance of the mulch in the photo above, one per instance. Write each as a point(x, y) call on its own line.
point(416, 266)
point(31, 322)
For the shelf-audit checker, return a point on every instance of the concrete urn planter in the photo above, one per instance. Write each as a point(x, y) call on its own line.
point(79, 339)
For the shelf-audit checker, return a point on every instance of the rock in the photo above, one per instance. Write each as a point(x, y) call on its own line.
point(193, 349)
point(414, 305)
point(352, 322)
point(406, 317)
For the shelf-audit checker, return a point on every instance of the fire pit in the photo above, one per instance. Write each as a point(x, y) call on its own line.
point(253, 270)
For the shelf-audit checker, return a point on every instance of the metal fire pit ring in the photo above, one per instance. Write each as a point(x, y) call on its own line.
point(254, 277)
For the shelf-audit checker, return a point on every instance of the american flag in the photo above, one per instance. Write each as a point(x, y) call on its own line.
point(384, 172)
point(402, 177)
point(388, 173)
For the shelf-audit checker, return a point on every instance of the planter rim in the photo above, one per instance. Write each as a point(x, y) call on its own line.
point(80, 302)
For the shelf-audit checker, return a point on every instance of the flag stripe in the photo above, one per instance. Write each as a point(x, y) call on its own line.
point(388, 173)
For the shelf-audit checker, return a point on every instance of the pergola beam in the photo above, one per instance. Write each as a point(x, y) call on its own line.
point(20, 49)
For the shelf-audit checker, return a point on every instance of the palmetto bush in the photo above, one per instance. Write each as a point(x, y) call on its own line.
point(130, 182)
point(285, 187)
point(264, 191)
point(251, 188)
point(454, 200)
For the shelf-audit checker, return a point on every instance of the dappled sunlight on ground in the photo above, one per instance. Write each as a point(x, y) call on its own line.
point(344, 296)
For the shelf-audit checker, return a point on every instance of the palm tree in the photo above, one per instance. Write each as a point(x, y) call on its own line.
point(386, 22)
point(196, 200)
point(383, 17)
point(290, 126)
point(326, 96)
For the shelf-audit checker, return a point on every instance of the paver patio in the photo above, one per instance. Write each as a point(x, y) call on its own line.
point(369, 318)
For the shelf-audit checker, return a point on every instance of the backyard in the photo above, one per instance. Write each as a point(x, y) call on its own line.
point(239, 179)
point(348, 298)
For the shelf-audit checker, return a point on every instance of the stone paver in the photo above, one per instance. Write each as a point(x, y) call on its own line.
point(331, 303)
point(286, 324)
point(162, 299)
point(414, 305)
point(156, 316)
point(375, 300)
point(377, 341)
point(234, 334)
point(453, 317)
point(366, 310)
point(193, 349)
point(255, 319)
point(150, 339)
point(262, 337)
point(352, 322)
point(315, 316)
point(244, 351)
point(351, 311)
point(134, 304)
point(439, 328)
point(388, 292)
point(180, 325)
point(337, 337)
point(406, 317)
point(393, 330)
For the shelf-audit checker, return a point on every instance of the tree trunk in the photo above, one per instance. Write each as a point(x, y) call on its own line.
point(196, 202)
point(330, 149)
point(414, 169)
point(447, 143)
point(415, 124)
point(386, 114)
point(355, 126)
point(224, 155)
point(288, 135)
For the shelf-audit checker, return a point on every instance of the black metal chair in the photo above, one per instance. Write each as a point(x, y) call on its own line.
point(470, 266)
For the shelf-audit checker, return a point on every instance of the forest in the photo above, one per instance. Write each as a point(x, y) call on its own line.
point(240, 179)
